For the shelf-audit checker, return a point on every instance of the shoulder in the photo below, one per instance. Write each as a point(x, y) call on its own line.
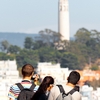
point(55, 91)
point(76, 96)
point(13, 92)
point(55, 88)
point(14, 87)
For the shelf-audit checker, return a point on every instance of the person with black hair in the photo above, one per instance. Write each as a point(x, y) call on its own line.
point(43, 91)
point(71, 84)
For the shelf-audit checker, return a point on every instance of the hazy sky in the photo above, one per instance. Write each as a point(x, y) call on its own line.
point(31, 16)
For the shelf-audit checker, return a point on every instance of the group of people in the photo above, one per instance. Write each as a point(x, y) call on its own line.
point(47, 90)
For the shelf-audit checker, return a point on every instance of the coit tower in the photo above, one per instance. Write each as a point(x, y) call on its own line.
point(63, 19)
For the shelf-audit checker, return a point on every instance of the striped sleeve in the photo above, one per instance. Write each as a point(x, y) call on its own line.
point(13, 92)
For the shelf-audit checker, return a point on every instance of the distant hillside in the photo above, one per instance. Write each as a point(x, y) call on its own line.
point(16, 38)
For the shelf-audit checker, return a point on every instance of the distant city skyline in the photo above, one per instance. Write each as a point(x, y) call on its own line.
point(31, 16)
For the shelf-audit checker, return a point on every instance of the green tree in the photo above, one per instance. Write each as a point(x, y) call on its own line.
point(38, 44)
point(27, 56)
point(5, 56)
point(28, 44)
point(82, 35)
point(96, 35)
point(78, 49)
point(69, 60)
point(14, 49)
point(48, 54)
point(4, 45)
point(49, 37)
point(94, 68)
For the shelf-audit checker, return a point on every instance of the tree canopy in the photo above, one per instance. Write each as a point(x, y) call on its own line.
point(48, 47)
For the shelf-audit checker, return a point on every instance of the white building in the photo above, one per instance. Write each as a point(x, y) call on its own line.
point(9, 75)
point(54, 70)
point(63, 20)
point(87, 92)
point(8, 69)
point(96, 94)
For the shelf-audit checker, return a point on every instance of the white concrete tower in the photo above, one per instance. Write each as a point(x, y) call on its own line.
point(63, 20)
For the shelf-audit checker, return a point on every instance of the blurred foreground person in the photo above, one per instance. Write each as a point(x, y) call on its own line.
point(70, 86)
point(43, 91)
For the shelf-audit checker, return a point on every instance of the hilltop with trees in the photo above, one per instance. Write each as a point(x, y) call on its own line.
point(83, 51)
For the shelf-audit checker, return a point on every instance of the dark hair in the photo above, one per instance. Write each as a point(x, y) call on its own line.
point(43, 86)
point(27, 70)
point(74, 77)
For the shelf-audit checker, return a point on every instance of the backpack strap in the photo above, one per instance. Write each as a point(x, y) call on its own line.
point(20, 86)
point(61, 88)
point(70, 92)
point(32, 86)
point(76, 88)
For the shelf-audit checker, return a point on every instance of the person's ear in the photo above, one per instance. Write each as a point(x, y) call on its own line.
point(50, 87)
